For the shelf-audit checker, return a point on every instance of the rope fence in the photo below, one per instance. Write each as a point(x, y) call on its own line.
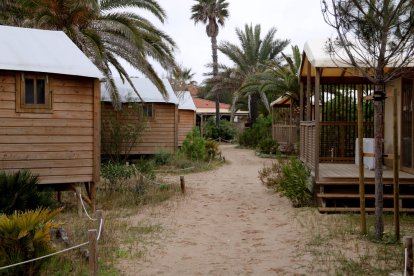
point(92, 256)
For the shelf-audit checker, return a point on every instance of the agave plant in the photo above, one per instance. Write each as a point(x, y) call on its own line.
point(24, 236)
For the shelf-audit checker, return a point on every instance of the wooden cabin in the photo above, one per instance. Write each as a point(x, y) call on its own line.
point(329, 132)
point(160, 114)
point(284, 129)
point(186, 115)
point(49, 108)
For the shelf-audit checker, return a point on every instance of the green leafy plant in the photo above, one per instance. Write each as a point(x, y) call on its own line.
point(290, 178)
point(19, 192)
point(26, 235)
point(212, 149)
point(268, 146)
point(194, 146)
point(162, 157)
point(226, 130)
point(260, 130)
point(116, 173)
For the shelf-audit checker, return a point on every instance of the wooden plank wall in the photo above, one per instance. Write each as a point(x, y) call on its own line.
point(186, 122)
point(59, 145)
point(159, 132)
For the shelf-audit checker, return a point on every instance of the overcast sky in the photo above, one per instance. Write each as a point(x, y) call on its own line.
point(297, 20)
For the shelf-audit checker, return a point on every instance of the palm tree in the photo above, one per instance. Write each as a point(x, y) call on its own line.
point(212, 13)
point(278, 79)
point(251, 58)
point(180, 77)
point(105, 30)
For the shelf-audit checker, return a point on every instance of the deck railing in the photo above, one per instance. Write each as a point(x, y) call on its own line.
point(307, 143)
point(284, 134)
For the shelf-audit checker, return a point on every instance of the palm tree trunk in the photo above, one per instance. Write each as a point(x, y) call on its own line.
point(215, 73)
point(254, 113)
point(379, 187)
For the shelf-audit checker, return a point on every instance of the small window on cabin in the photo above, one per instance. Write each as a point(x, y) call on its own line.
point(34, 94)
point(148, 110)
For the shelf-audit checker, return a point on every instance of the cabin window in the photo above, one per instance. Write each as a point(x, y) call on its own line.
point(34, 94)
point(148, 110)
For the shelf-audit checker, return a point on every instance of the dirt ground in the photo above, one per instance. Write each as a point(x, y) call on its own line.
point(228, 224)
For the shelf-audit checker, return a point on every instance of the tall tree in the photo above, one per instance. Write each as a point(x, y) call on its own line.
point(105, 30)
point(251, 58)
point(212, 13)
point(377, 38)
point(180, 77)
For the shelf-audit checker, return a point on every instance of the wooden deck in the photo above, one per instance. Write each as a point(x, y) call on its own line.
point(337, 189)
point(329, 170)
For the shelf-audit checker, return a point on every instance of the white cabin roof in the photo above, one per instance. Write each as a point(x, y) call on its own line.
point(34, 50)
point(185, 101)
point(148, 92)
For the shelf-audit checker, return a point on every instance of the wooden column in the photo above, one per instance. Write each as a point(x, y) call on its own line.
point(361, 162)
point(308, 92)
point(96, 141)
point(317, 119)
point(396, 167)
point(301, 101)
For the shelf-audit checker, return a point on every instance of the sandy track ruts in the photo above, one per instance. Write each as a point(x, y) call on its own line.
point(228, 224)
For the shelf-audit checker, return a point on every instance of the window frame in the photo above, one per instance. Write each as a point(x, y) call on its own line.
point(147, 106)
point(21, 106)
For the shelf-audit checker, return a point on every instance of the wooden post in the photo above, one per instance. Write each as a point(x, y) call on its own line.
point(78, 200)
point(408, 245)
point(99, 218)
point(317, 119)
point(308, 92)
point(93, 252)
point(182, 184)
point(59, 196)
point(361, 163)
point(396, 168)
point(301, 100)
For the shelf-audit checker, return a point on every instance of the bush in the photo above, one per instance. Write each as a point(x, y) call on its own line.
point(212, 149)
point(162, 157)
point(226, 130)
point(260, 130)
point(268, 146)
point(19, 192)
point(290, 179)
point(24, 236)
point(194, 146)
point(146, 167)
point(116, 173)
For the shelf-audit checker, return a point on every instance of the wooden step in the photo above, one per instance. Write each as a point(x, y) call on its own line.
point(328, 195)
point(356, 209)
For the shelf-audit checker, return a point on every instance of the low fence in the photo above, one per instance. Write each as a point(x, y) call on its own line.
point(307, 143)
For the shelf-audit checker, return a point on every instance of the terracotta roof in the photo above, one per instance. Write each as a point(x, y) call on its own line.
point(202, 103)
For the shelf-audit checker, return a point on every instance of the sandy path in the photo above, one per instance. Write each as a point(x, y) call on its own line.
point(229, 224)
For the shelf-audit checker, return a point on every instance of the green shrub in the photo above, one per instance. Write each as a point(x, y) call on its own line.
point(290, 179)
point(116, 173)
point(260, 130)
point(212, 149)
point(226, 130)
point(268, 146)
point(19, 192)
point(194, 146)
point(24, 236)
point(162, 157)
point(146, 167)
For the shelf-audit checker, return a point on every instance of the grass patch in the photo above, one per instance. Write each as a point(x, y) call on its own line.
point(337, 248)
